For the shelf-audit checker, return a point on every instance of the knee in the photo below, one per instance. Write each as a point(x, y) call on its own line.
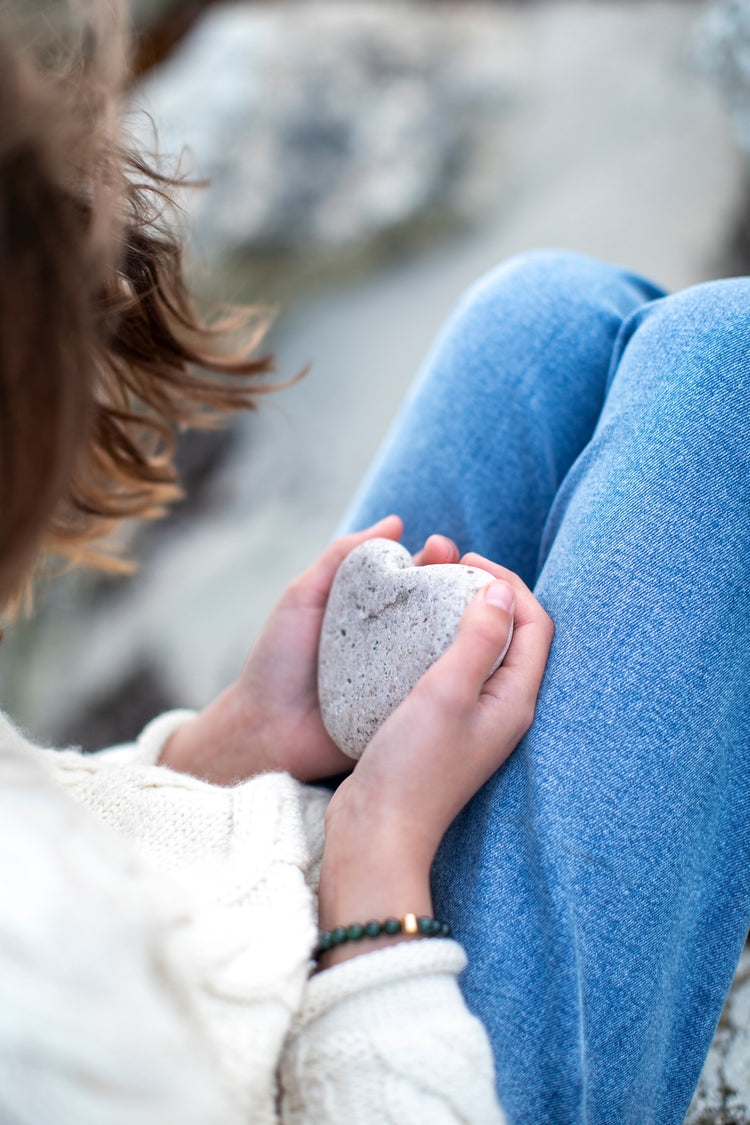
point(703, 311)
point(546, 267)
point(558, 286)
point(699, 339)
point(543, 274)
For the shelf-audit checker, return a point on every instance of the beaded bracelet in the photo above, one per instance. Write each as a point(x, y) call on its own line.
point(409, 924)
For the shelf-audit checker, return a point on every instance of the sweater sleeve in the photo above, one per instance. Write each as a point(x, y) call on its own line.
point(234, 860)
point(95, 1028)
point(387, 1038)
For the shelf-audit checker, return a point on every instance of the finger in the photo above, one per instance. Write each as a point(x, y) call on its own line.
point(312, 588)
point(437, 549)
point(527, 606)
point(458, 676)
point(473, 559)
point(517, 681)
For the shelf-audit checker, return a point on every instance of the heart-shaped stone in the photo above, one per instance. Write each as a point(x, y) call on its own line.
point(386, 622)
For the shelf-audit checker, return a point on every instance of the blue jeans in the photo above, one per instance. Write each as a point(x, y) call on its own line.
point(577, 425)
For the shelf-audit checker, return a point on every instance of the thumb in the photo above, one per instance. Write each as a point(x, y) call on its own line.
point(311, 589)
point(482, 638)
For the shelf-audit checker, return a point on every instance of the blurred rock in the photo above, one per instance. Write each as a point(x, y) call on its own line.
point(120, 714)
point(323, 124)
point(723, 51)
point(199, 456)
point(723, 48)
point(723, 1094)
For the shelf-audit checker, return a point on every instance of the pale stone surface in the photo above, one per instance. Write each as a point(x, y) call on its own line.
point(386, 622)
point(325, 124)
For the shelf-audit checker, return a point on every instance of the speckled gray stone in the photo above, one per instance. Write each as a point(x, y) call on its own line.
point(386, 621)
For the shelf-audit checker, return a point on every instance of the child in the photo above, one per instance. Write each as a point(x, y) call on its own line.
point(156, 924)
point(159, 902)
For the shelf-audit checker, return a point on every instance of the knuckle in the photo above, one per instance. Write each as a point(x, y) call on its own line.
point(292, 591)
point(486, 636)
point(490, 630)
point(527, 719)
point(448, 696)
point(543, 623)
point(302, 592)
point(296, 589)
point(525, 714)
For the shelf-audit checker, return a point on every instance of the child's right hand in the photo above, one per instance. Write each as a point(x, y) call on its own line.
point(451, 733)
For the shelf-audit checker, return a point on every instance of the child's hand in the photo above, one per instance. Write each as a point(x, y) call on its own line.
point(451, 733)
point(270, 719)
point(456, 727)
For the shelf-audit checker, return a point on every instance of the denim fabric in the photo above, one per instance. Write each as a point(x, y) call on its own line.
point(577, 425)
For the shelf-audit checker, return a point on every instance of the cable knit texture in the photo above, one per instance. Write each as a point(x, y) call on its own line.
point(390, 1054)
point(154, 960)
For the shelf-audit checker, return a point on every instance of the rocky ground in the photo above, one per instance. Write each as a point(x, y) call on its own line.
point(723, 1095)
point(565, 123)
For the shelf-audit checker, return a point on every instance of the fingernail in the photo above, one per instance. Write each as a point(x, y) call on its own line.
point(500, 594)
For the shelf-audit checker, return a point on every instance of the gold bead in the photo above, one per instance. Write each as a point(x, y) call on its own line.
point(409, 924)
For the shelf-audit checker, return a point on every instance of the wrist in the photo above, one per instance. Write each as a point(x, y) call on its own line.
point(221, 745)
point(369, 875)
point(361, 914)
point(359, 887)
point(364, 821)
point(365, 937)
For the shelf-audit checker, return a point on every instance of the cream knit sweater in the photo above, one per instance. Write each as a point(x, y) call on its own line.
point(155, 935)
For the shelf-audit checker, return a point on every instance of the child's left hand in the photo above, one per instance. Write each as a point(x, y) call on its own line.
point(269, 719)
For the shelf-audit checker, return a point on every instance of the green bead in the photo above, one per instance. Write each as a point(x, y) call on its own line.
point(338, 935)
point(391, 926)
point(424, 925)
point(436, 928)
point(372, 929)
point(324, 942)
point(445, 930)
point(354, 932)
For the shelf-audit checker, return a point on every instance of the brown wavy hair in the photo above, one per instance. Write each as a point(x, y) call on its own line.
point(103, 355)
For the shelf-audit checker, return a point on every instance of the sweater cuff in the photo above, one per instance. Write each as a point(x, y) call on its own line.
point(387, 1036)
point(155, 735)
point(404, 961)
